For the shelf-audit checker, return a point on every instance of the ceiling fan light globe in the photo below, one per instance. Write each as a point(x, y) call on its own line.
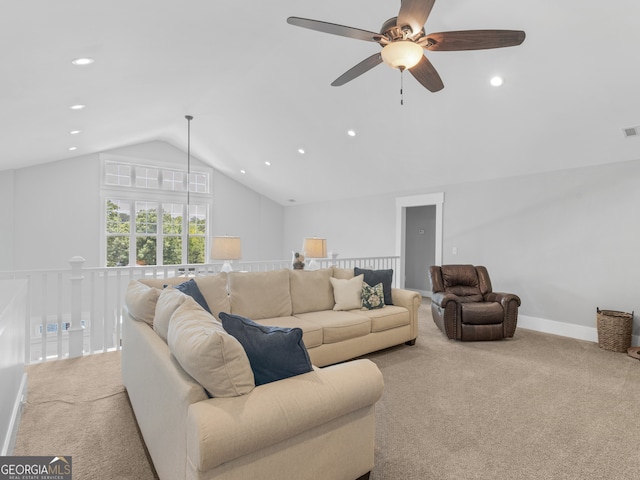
point(402, 54)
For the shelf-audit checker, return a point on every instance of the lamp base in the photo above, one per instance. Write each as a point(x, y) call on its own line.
point(226, 267)
point(313, 265)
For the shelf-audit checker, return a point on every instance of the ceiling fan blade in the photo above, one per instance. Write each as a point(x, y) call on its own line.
point(474, 39)
point(334, 29)
point(427, 75)
point(363, 67)
point(414, 13)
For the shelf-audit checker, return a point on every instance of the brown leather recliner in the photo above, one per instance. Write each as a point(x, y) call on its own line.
point(464, 307)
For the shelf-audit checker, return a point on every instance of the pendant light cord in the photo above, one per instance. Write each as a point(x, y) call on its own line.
point(189, 118)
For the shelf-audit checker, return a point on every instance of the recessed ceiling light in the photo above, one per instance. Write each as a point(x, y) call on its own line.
point(243, 171)
point(74, 132)
point(77, 107)
point(268, 164)
point(497, 81)
point(82, 61)
point(351, 133)
point(301, 151)
point(73, 148)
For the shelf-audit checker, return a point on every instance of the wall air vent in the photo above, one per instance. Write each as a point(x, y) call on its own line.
point(631, 131)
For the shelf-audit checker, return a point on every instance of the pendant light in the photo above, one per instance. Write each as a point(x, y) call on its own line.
point(189, 118)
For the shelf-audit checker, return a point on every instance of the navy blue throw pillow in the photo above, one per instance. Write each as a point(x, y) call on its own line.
point(191, 288)
point(274, 352)
point(374, 277)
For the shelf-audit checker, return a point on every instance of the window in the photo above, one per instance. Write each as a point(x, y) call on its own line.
point(118, 174)
point(146, 221)
point(146, 177)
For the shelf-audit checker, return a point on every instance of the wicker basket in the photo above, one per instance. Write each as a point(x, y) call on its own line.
point(614, 330)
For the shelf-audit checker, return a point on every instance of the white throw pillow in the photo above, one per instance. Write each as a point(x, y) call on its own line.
point(347, 293)
point(140, 301)
point(168, 302)
point(215, 359)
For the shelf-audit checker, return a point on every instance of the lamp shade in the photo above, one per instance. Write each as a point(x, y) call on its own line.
point(315, 247)
point(402, 54)
point(226, 248)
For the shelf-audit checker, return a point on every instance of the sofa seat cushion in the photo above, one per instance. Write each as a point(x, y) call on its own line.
point(390, 316)
point(311, 291)
point(311, 331)
point(258, 295)
point(339, 325)
point(482, 313)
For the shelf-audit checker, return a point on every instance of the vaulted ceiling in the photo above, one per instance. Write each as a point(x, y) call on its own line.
point(259, 90)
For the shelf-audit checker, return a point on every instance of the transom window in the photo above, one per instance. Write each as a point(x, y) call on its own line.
point(147, 223)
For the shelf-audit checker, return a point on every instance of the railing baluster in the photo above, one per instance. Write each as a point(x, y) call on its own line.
point(91, 323)
point(103, 327)
point(105, 310)
point(59, 319)
point(43, 311)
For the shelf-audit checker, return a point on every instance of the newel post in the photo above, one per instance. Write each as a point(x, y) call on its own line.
point(76, 330)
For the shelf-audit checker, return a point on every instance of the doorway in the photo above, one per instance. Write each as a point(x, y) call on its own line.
point(418, 239)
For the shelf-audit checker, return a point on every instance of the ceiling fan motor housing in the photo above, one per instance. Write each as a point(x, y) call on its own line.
point(393, 31)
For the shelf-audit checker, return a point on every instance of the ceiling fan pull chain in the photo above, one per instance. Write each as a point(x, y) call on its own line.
point(402, 86)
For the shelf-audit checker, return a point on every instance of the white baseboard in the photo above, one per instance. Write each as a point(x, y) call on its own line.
point(16, 415)
point(571, 330)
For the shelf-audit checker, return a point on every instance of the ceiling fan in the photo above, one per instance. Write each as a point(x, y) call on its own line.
point(403, 39)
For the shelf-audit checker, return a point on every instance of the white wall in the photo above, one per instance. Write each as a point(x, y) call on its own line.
point(566, 242)
point(6, 220)
point(57, 213)
point(360, 227)
point(57, 207)
point(239, 211)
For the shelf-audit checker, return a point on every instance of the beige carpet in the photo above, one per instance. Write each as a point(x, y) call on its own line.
point(534, 407)
point(79, 408)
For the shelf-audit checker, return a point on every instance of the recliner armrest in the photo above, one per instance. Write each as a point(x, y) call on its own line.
point(442, 299)
point(502, 298)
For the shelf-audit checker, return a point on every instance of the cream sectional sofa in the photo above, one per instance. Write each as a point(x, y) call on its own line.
point(318, 424)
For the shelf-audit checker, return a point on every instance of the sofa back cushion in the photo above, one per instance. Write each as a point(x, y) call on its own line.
point(214, 291)
point(342, 273)
point(140, 300)
point(212, 287)
point(311, 291)
point(168, 302)
point(161, 282)
point(215, 359)
point(259, 295)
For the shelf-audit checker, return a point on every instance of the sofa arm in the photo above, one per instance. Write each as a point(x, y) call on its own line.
point(222, 429)
point(411, 301)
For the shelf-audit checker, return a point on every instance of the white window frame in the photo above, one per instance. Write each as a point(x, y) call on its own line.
point(159, 196)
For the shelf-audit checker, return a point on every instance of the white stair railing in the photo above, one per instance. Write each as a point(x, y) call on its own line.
point(77, 310)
